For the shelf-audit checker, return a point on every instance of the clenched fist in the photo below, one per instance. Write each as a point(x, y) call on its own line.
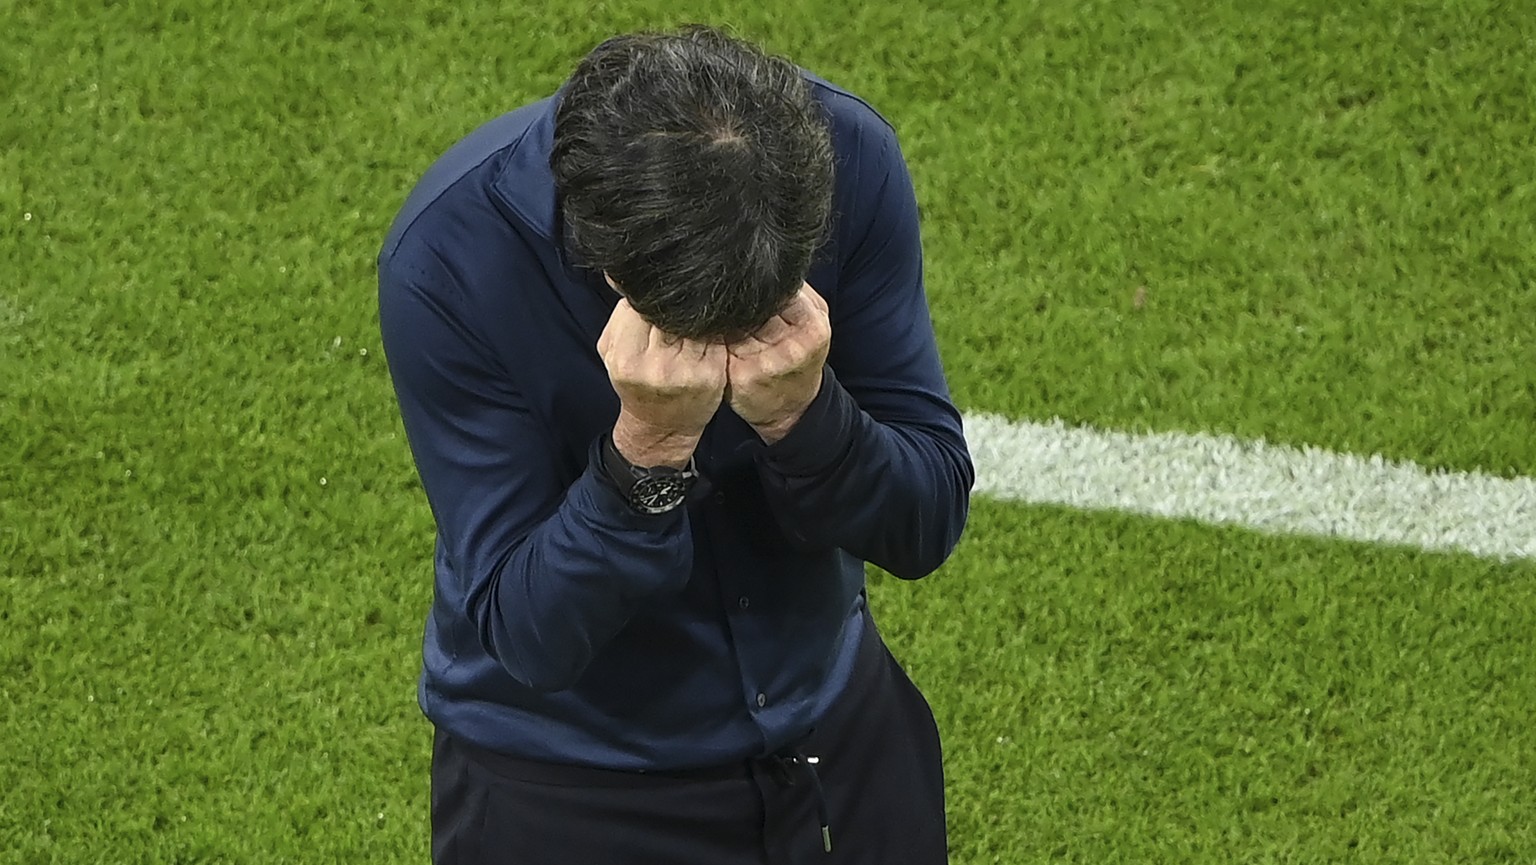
point(776, 372)
point(668, 388)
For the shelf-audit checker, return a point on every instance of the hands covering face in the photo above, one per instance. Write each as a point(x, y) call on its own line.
point(669, 387)
point(775, 373)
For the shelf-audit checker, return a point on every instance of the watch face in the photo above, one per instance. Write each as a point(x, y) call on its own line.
point(655, 495)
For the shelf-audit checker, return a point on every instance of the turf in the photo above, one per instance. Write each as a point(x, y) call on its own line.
point(1303, 221)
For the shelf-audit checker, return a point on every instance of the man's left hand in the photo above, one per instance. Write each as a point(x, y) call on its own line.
point(775, 373)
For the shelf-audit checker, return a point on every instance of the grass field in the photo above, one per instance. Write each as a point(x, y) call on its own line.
point(1307, 221)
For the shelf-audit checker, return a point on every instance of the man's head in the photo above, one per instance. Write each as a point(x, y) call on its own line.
point(696, 172)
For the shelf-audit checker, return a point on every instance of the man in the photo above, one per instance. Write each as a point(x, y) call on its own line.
point(665, 363)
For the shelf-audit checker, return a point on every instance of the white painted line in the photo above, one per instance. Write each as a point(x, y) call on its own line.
point(1271, 488)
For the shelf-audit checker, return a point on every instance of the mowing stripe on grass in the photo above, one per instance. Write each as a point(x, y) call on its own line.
point(1272, 488)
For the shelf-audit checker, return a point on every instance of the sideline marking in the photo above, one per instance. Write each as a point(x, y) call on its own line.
point(1271, 488)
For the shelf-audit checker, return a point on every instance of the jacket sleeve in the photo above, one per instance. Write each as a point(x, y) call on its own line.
point(878, 465)
point(548, 571)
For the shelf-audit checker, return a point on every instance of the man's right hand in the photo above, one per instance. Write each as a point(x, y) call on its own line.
point(668, 388)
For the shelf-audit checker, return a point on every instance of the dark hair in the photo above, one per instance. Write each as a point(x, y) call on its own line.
point(696, 171)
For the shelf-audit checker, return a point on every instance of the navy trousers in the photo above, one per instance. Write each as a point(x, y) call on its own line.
point(878, 784)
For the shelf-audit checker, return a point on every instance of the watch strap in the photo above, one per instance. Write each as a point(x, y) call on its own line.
point(625, 476)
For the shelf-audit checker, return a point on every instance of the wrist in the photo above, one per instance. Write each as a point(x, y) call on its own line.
point(648, 447)
point(771, 433)
point(778, 428)
point(651, 491)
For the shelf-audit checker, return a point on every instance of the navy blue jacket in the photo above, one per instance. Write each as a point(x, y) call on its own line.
point(568, 628)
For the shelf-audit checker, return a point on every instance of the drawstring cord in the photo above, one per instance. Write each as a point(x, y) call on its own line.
point(799, 758)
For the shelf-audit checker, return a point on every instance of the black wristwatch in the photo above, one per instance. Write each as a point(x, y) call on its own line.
point(648, 490)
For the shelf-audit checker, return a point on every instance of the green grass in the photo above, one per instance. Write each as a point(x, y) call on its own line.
point(208, 653)
point(1115, 691)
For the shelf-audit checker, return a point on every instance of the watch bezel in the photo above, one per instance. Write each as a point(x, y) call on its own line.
point(659, 493)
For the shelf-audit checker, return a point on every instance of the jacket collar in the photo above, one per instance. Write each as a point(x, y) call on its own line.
point(526, 185)
point(524, 181)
